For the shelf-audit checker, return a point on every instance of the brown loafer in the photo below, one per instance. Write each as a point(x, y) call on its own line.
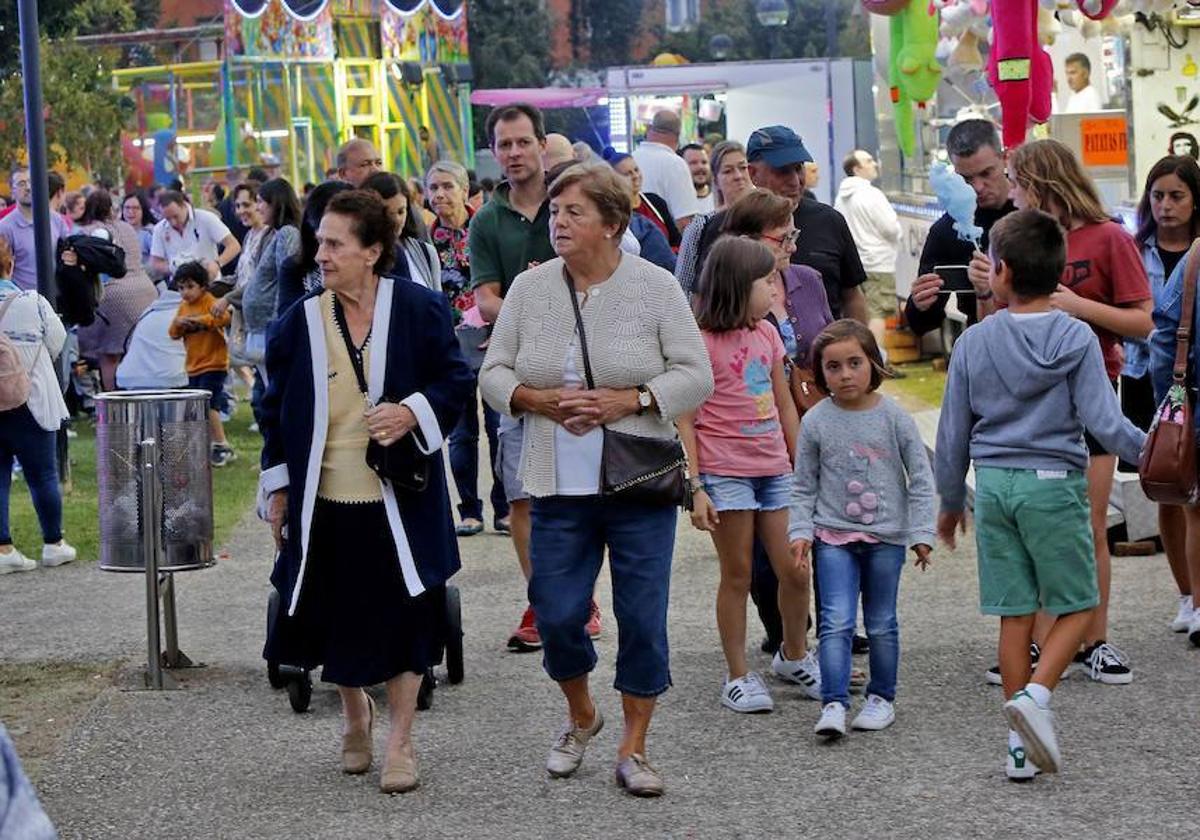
point(636, 775)
point(356, 746)
point(401, 775)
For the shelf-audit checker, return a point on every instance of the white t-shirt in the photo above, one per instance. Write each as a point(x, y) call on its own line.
point(1084, 102)
point(707, 203)
point(576, 458)
point(666, 174)
point(199, 240)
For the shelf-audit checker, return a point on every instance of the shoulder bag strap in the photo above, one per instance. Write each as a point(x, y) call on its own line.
point(587, 362)
point(1183, 334)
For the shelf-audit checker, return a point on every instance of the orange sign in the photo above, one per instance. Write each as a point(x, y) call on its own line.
point(1104, 141)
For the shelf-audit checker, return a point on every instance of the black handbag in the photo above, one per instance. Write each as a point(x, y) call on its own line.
point(636, 469)
point(402, 464)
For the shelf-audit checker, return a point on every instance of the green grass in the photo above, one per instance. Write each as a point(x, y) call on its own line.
point(234, 487)
point(923, 383)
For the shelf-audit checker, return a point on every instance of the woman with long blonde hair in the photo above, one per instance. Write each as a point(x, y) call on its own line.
point(1104, 284)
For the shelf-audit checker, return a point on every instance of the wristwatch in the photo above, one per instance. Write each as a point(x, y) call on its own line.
point(644, 400)
point(694, 485)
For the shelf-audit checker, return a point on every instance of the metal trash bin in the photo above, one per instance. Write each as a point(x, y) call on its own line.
point(178, 421)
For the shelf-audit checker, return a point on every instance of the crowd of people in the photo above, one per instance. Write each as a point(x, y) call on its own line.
point(682, 325)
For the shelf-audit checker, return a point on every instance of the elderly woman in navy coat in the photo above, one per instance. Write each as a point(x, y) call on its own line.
point(362, 564)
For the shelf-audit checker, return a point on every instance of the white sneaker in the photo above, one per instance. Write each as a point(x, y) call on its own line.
point(1035, 725)
point(748, 694)
point(1194, 629)
point(833, 721)
point(1183, 618)
point(875, 714)
point(1018, 767)
point(805, 672)
point(15, 561)
point(57, 555)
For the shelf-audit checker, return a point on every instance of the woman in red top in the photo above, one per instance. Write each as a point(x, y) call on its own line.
point(1104, 284)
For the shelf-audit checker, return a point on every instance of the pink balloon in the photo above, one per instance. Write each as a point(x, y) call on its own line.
point(855, 487)
point(853, 509)
point(869, 501)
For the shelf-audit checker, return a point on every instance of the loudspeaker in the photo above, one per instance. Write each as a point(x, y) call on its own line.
point(411, 72)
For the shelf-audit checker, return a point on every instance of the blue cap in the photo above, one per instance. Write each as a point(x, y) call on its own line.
point(777, 146)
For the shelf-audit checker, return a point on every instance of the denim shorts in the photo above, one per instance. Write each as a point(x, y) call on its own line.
point(212, 381)
point(733, 492)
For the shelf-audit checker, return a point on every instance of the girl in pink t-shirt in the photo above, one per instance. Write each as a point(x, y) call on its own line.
point(741, 442)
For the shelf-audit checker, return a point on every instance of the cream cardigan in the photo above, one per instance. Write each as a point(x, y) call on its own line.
point(640, 331)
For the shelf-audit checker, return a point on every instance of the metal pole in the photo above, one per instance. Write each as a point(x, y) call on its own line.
point(831, 28)
point(35, 140)
point(151, 505)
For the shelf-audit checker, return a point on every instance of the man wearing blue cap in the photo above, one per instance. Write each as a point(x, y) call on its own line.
point(777, 157)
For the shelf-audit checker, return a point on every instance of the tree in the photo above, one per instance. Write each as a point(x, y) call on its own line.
point(510, 43)
point(83, 115)
point(803, 37)
point(62, 18)
point(605, 30)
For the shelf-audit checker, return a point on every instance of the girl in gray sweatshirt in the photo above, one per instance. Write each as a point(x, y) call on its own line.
point(863, 495)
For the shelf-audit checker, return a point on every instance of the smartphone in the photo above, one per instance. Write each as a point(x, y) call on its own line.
point(954, 279)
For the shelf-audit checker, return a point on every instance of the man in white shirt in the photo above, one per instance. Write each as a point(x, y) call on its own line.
point(876, 231)
point(1084, 98)
point(186, 234)
point(665, 173)
point(696, 157)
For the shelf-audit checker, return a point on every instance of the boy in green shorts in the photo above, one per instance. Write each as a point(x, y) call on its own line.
point(1023, 385)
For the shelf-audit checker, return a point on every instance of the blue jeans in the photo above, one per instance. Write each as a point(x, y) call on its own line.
point(464, 461)
point(844, 571)
point(37, 450)
point(570, 534)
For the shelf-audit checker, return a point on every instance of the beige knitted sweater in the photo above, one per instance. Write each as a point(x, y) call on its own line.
point(639, 329)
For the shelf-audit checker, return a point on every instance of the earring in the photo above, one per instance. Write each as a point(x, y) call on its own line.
point(608, 236)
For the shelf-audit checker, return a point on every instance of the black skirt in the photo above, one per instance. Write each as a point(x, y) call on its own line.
point(355, 616)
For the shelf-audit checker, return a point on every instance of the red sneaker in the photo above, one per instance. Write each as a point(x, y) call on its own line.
point(525, 638)
point(593, 623)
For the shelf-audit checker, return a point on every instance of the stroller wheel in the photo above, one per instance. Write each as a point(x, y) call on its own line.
point(454, 636)
point(425, 694)
point(300, 693)
point(275, 678)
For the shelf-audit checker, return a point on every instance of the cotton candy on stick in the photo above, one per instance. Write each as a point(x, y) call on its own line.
point(958, 200)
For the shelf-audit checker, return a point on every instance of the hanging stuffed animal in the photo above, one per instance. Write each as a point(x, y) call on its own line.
point(914, 72)
point(1019, 70)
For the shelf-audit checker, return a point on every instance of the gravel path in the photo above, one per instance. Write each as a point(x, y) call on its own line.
point(227, 758)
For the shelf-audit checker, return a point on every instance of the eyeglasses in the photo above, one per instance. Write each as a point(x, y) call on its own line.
point(785, 240)
point(21, 185)
point(377, 163)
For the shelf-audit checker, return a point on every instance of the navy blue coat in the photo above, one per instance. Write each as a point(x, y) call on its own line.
point(424, 370)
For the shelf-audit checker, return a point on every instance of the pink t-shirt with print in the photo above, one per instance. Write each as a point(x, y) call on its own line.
point(737, 429)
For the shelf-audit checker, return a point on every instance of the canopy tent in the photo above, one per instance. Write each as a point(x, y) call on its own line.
point(541, 97)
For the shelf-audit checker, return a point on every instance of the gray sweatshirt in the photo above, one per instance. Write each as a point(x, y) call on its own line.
point(1021, 390)
point(862, 472)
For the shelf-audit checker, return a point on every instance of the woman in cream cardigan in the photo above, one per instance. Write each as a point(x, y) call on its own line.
point(650, 366)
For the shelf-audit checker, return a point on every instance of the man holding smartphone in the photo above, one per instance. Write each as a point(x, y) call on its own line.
point(974, 148)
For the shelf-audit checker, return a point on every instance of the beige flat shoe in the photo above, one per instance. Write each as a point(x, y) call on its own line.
point(356, 746)
point(636, 775)
point(401, 775)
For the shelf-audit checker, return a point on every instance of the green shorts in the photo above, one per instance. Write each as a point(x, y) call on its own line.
point(880, 290)
point(1034, 535)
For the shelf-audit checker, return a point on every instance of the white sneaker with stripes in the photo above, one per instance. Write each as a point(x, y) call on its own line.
point(805, 672)
point(747, 694)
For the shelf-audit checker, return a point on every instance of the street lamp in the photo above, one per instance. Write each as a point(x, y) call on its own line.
point(773, 14)
point(720, 46)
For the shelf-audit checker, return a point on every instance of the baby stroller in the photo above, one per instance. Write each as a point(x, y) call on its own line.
point(297, 679)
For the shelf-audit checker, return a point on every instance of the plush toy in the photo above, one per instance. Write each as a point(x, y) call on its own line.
point(914, 72)
point(1019, 69)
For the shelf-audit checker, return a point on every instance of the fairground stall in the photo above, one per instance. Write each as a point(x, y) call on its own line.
point(285, 82)
point(731, 99)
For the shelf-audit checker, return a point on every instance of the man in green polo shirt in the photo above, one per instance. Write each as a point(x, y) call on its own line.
point(508, 235)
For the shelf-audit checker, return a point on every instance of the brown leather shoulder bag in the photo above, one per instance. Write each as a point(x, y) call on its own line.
point(1168, 464)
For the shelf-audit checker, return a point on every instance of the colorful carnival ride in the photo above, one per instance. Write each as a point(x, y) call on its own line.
point(285, 82)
